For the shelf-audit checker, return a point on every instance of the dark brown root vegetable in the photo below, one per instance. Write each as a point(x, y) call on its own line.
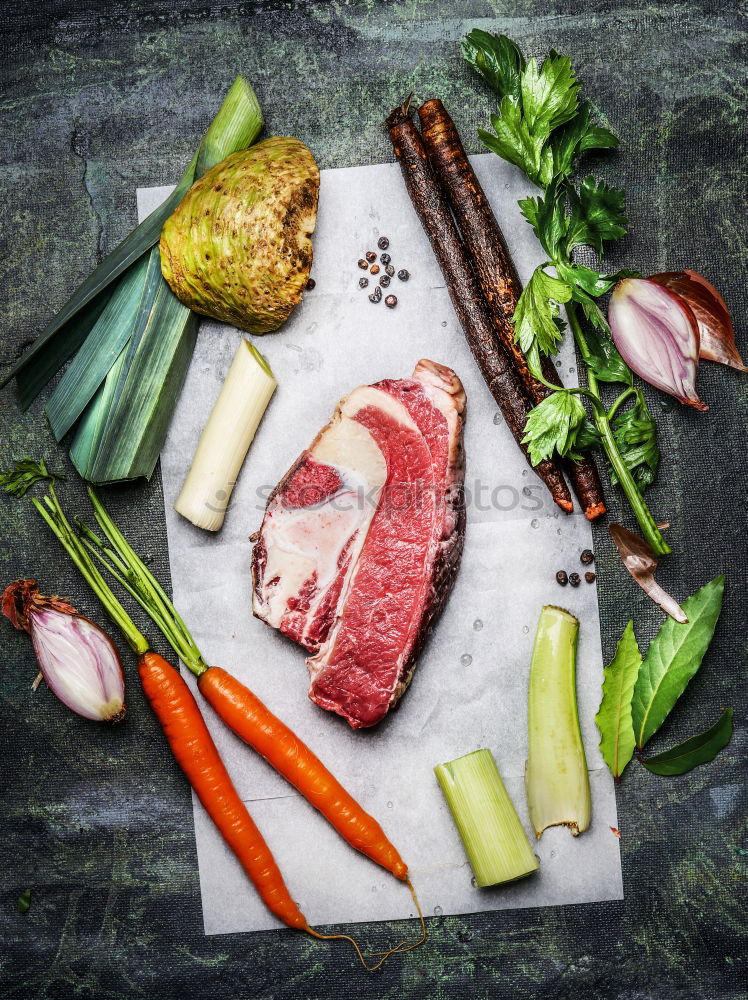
point(433, 211)
point(496, 272)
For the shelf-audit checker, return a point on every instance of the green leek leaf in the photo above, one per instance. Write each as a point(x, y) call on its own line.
point(698, 750)
point(236, 126)
point(90, 430)
point(141, 239)
point(32, 379)
point(614, 715)
point(103, 345)
point(141, 403)
point(673, 657)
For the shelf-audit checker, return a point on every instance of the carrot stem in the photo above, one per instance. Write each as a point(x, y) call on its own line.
point(54, 516)
point(141, 584)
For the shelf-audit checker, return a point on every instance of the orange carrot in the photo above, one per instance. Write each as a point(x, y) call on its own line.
point(192, 744)
point(196, 753)
point(243, 712)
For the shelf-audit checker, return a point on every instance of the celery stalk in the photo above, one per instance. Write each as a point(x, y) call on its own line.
point(556, 778)
point(495, 842)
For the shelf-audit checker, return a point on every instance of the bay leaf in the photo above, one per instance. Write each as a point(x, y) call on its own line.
point(698, 750)
point(673, 657)
point(614, 715)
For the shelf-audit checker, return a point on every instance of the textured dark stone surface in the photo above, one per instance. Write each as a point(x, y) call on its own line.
point(98, 99)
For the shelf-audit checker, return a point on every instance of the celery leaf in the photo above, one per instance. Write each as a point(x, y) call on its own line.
point(635, 433)
point(597, 214)
point(498, 60)
point(537, 311)
point(553, 425)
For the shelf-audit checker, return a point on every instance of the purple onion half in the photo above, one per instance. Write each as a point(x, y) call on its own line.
point(78, 660)
point(657, 336)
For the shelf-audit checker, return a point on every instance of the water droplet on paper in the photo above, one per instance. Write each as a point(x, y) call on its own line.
point(497, 417)
point(389, 805)
point(466, 659)
point(527, 491)
point(477, 624)
point(553, 854)
point(474, 882)
point(534, 523)
point(444, 322)
point(525, 629)
point(438, 911)
point(571, 371)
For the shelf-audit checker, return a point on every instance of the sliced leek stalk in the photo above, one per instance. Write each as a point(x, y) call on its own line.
point(556, 778)
point(493, 837)
point(225, 441)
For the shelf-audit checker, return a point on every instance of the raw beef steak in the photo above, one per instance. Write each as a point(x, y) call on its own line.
point(362, 538)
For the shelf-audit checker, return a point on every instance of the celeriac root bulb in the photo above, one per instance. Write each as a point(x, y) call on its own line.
point(225, 441)
point(557, 782)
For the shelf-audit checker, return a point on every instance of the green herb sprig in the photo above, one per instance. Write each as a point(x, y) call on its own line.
point(543, 127)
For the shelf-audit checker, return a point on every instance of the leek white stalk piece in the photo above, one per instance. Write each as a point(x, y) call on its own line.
point(556, 778)
point(492, 835)
point(225, 441)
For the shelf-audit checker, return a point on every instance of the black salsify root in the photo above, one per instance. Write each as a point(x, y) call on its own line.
point(382, 956)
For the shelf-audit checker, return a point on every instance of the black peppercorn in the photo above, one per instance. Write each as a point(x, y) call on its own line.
point(363, 264)
point(376, 295)
point(391, 301)
point(403, 275)
point(390, 270)
point(310, 284)
point(385, 258)
point(384, 280)
point(374, 269)
point(562, 578)
point(587, 557)
point(383, 242)
point(574, 579)
point(363, 282)
point(371, 256)
point(589, 577)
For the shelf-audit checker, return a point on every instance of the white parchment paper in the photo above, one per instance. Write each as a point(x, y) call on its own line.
point(470, 687)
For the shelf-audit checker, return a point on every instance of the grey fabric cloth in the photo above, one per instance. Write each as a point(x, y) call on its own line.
point(99, 99)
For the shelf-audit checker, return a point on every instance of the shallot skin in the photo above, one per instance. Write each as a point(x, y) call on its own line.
point(717, 336)
point(657, 336)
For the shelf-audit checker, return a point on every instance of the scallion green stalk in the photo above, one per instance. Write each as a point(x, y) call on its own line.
point(495, 842)
point(557, 782)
